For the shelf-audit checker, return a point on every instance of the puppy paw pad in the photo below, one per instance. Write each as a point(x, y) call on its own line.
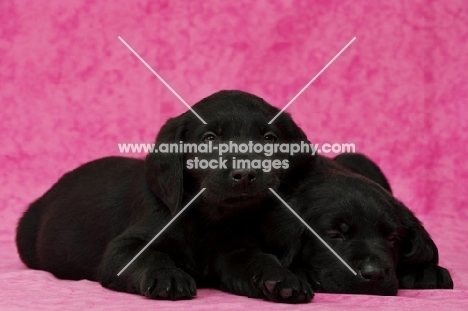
point(163, 294)
point(286, 292)
point(270, 285)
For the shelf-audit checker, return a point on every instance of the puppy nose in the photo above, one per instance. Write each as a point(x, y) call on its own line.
point(244, 176)
point(372, 273)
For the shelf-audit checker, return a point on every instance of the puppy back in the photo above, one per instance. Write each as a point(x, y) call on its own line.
point(26, 234)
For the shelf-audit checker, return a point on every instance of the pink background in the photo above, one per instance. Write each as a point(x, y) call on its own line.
point(70, 91)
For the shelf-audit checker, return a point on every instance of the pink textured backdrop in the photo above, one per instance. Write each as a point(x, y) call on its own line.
point(70, 91)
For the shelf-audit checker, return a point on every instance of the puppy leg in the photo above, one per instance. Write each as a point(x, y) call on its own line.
point(153, 274)
point(428, 276)
point(260, 275)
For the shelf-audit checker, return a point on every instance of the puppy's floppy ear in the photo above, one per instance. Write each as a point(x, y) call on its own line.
point(362, 165)
point(165, 171)
point(417, 246)
point(299, 161)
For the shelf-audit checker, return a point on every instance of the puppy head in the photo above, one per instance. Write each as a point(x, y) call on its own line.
point(418, 247)
point(372, 231)
point(235, 179)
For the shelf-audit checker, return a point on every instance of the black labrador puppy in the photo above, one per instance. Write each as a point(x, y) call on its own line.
point(96, 218)
point(348, 201)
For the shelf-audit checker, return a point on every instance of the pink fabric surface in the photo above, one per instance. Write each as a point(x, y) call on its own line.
point(70, 91)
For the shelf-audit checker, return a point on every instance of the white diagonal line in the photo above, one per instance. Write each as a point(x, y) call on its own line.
point(313, 79)
point(161, 79)
point(315, 233)
point(160, 232)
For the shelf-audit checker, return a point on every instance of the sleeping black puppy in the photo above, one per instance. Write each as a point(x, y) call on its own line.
point(96, 218)
point(348, 201)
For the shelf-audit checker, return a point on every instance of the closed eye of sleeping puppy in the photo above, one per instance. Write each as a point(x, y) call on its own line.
point(378, 236)
point(96, 218)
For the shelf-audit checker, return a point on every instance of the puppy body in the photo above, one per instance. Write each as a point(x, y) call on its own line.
point(62, 234)
point(95, 219)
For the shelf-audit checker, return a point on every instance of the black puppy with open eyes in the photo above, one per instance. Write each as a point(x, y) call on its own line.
point(349, 202)
point(96, 218)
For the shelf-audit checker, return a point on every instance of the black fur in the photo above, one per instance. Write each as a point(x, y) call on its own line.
point(377, 235)
point(96, 218)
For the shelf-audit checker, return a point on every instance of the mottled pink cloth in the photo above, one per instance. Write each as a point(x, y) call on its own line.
point(70, 91)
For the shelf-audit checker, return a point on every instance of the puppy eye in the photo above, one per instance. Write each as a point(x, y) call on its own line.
point(209, 137)
point(269, 138)
point(334, 234)
point(392, 237)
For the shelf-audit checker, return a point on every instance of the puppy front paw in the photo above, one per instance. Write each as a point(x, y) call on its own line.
point(170, 284)
point(309, 275)
point(281, 285)
point(426, 277)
